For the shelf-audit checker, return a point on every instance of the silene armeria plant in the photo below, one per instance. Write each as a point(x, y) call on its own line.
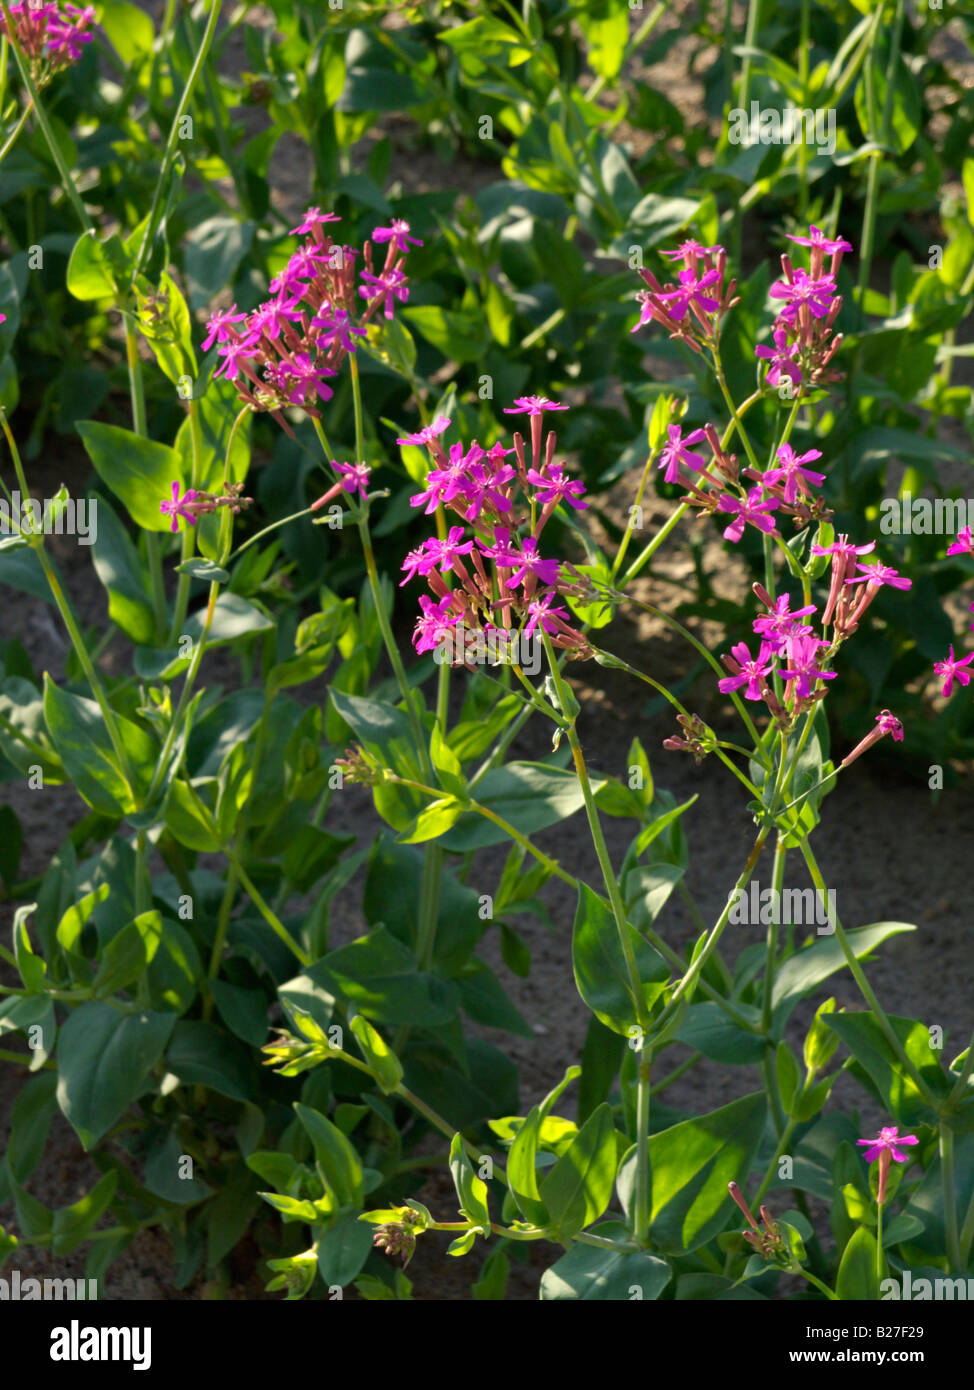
point(638, 1195)
point(175, 977)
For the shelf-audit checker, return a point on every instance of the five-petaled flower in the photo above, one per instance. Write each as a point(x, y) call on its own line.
point(951, 670)
point(177, 507)
point(677, 452)
point(886, 1146)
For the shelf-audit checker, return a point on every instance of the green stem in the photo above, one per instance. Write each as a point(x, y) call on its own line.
point(44, 123)
point(864, 986)
point(955, 1260)
point(150, 227)
point(269, 916)
point(717, 930)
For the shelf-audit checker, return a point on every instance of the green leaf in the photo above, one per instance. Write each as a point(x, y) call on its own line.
point(77, 727)
point(96, 267)
point(30, 1123)
point(139, 471)
point(124, 575)
point(203, 569)
point(32, 967)
point(244, 1011)
point(856, 1280)
point(433, 821)
point(492, 1284)
point(128, 955)
point(878, 1063)
point(214, 250)
point(810, 966)
point(343, 1250)
point(72, 1224)
point(789, 1075)
point(531, 796)
point(616, 1275)
point(601, 972)
point(201, 1054)
point(378, 1054)
point(578, 1188)
point(128, 29)
point(707, 1029)
point(471, 1190)
point(381, 977)
point(692, 1163)
point(164, 1169)
point(522, 1170)
point(337, 1160)
point(104, 1060)
point(484, 999)
point(647, 888)
point(460, 335)
point(447, 764)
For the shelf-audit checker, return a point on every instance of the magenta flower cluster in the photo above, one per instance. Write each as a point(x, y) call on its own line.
point(503, 585)
point(49, 35)
point(803, 348)
point(289, 348)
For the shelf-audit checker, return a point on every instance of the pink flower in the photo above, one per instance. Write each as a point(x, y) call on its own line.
point(964, 544)
point(527, 561)
point(338, 325)
point(218, 328)
point(754, 508)
point(877, 574)
point(428, 433)
point(691, 292)
point(818, 238)
point(691, 248)
point(532, 405)
point(801, 656)
point(313, 217)
point(177, 507)
point(817, 294)
point(781, 358)
point(753, 672)
point(390, 285)
point(781, 623)
point(677, 452)
point(355, 476)
point(396, 231)
point(557, 487)
point(233, 353)
point(843, 554)
point(435, 621)
point(886, 1146)
point(444, 553)
point(951, 671)
point(481, 486)
point(886, 723)
point(792, 474)
point(541, 611)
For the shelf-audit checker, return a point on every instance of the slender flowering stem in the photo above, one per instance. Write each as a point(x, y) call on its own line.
point(955, 1259)
point(641, 1212)
point(152, 222)
point(77, 641)
point(864, 986)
